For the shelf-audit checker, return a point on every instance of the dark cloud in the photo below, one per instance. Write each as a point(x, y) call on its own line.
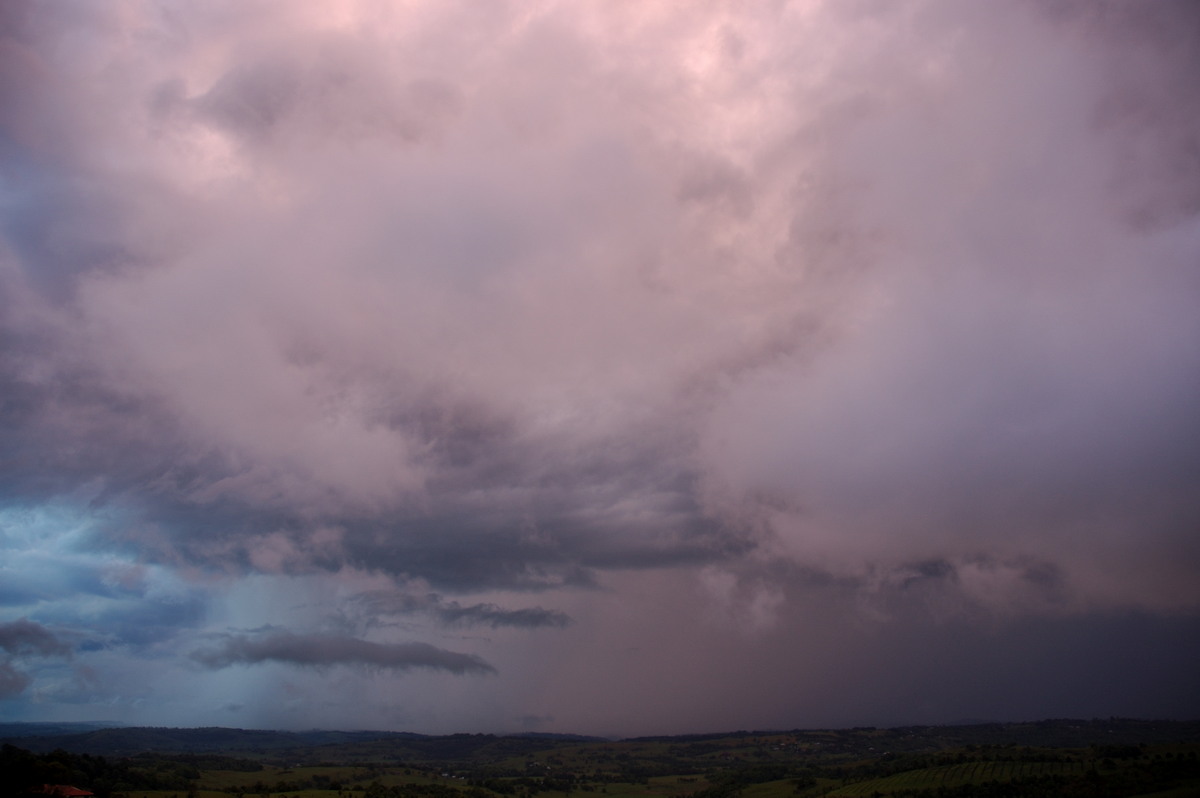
point(1101, 664)
point(341, 95)
point(24, 637)
point(469, 552)
point(326, 650)
point(25, 641)
point(454, 613)
point(144, 623)
point(496, 617)
point(12, 681)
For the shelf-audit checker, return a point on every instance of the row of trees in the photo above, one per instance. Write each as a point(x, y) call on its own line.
point(24, 770)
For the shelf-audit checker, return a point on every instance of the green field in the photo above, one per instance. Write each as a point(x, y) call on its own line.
point(958, 775)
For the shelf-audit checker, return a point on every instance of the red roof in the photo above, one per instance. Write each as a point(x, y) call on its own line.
point(62, 790)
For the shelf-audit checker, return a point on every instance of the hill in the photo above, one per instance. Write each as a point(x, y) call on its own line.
point(1112, 757)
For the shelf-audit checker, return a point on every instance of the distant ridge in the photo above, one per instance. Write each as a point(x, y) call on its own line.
point(367, 746)
point(44, 728)
point(574, 738)
point(286, 745)
point(1042, 758)
point(130, 740)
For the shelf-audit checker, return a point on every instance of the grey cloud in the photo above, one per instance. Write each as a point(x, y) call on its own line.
point(930, 570)
point(69, 225)
point(494, 517)
point(63, 425)
point(142, 623)
point(12, 681)
point(551, 536)
point(253, 100)
point(453, 613)
point(1157, 167)
point(326, 650)
point(342, 94)
point(1033, 668)
point(472, 552)
point(208, 503)
point(999, 402)
point(105, 602)
point(496, 617)
point(972, 586)
point(22, 640)
point(24, 637)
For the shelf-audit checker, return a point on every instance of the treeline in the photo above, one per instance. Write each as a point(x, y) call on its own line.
point(24, 770)
point(1112, 771)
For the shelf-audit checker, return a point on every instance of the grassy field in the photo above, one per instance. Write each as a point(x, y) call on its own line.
point(593, 771)
point(1133, 759)
point(1187, 791)
point(958, 775)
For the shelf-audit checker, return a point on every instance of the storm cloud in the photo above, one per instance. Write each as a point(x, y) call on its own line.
point(383, 603)
point(26, 637)
point(597, 343)
point(325, 650)
point(23, 641)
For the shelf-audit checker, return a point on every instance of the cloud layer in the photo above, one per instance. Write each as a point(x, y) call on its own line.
point(625, 336)
point(325, 650)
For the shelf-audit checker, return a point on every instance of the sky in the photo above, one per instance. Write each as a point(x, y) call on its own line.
point(611, 367)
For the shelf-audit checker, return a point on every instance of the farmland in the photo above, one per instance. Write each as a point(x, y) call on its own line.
point(1084, 758)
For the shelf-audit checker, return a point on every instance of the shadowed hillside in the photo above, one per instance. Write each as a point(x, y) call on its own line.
point(1111, 757)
